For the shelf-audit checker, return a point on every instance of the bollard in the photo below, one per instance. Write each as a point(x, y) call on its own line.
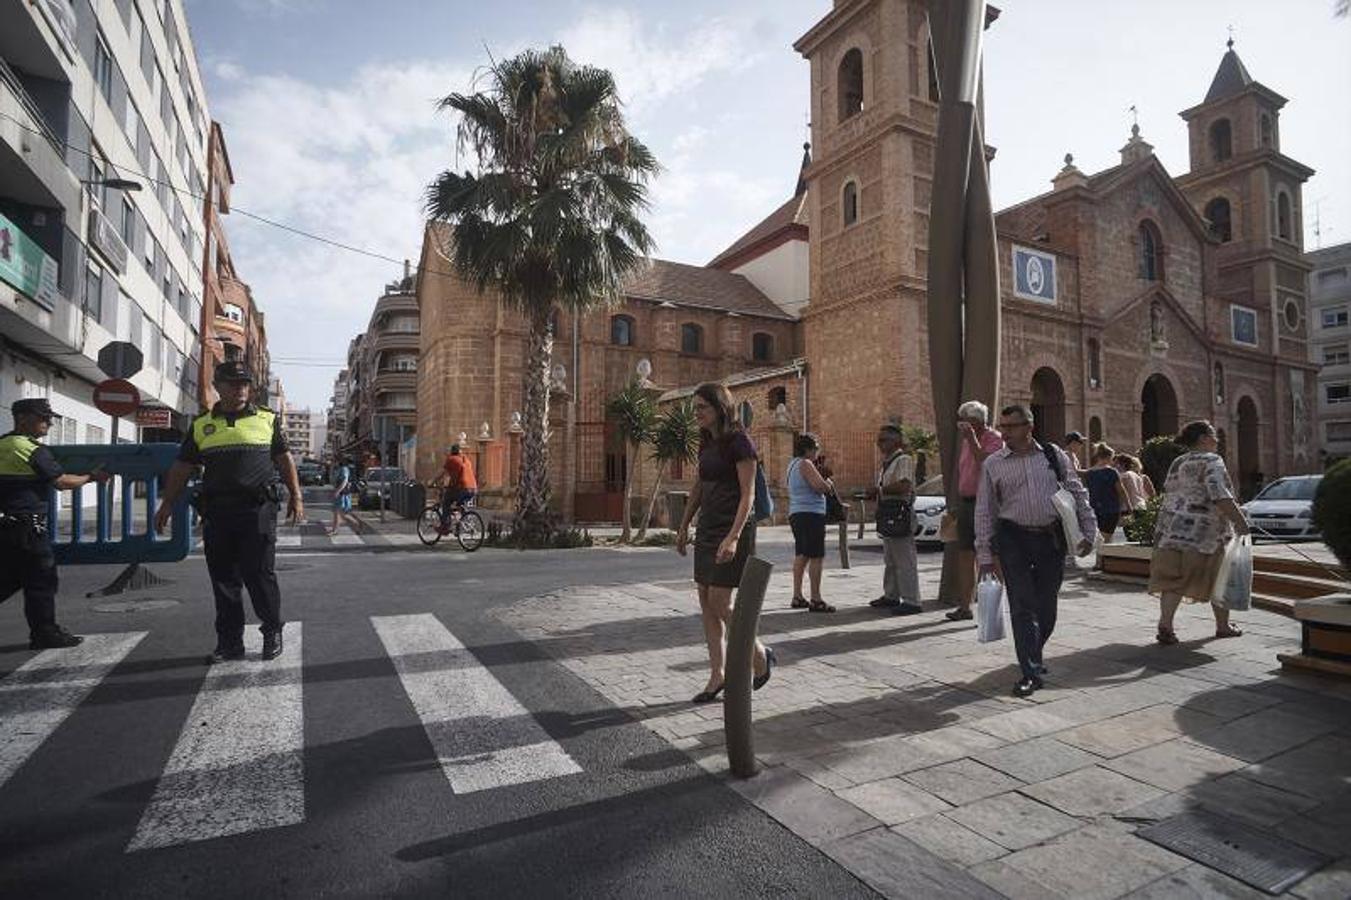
point(740, 666)
point(844, 545)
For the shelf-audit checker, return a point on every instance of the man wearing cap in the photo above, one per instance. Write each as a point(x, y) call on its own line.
point(28, 473)
point(238, 444)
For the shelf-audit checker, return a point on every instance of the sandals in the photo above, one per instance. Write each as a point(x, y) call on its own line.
point(820, 606)
point(708, 696)
point(1166, 636)
point(799, 603)
point(1228, 631)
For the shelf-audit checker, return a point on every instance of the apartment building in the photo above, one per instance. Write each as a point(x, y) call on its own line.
point(103, 155)
point(299, 430)
point(1330, 323)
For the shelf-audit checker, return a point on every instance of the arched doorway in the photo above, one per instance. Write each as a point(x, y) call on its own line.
point(1048, 405)
point(1249, 462)
point(1158, 413)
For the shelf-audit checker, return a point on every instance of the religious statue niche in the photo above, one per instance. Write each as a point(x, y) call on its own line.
point(1219, 384)
point(1158, 336)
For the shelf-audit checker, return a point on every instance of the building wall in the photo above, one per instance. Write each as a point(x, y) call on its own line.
point(1331, 296)
point(783, 275)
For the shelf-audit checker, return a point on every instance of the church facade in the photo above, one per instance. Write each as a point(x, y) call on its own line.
point(1132, 300)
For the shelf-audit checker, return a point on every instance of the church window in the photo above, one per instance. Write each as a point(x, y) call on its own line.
point(933, 72)
point(621, 331)
point(849, 83)
point(691, 338)
point(1265, 129)
point(1221, 224)
point(849, 203)
point(1221, 140)
point(1151, 252)
point(1094, 363)
point(779, 397)
point(1283, 227)
point(762, 347)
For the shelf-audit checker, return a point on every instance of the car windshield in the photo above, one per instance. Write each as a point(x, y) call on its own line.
point(931, 488)
point(1290, 489)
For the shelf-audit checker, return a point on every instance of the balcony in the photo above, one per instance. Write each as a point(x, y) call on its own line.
point(394, 380)
point(406, 341)
point(393, 303)
point(31, 152)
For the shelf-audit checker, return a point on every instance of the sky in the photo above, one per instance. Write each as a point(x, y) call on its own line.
point(328, 111)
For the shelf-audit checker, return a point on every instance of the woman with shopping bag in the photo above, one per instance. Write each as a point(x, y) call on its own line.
point(1197, 520)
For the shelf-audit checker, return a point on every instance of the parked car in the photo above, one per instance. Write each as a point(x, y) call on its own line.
point(1284, 509)
point(930, 504)
point(310, 473)
point(376, 481)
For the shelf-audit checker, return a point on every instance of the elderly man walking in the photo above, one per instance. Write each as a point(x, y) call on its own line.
point(895, 493)
point(1019, 536)
point(976, 443)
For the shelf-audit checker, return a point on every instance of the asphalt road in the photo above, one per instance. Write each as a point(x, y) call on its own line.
point(407, 744)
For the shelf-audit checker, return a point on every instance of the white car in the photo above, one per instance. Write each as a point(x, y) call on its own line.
point(1284, 509)
point(930, 504)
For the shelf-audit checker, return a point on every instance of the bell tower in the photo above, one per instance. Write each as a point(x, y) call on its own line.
point(1250, 194)
point(873, 121)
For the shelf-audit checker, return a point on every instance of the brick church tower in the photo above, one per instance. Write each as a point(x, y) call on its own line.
point(873, 117)
point(1250, 193)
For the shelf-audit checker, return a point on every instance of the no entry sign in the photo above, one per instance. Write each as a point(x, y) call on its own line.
point(116, 397)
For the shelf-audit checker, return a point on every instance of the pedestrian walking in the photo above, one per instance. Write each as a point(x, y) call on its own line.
point(725, 538)
point(1106, 492)
point(895, 494)
point(1074, 445)
point(342, 494)
point(1197, 518)
point(240, 447)
point(28, 475)
point(1019, 536)
point(807, 492)
point(976, 441)
point(1139, 489)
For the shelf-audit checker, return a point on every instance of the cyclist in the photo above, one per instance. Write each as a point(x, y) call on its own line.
point(460, 486)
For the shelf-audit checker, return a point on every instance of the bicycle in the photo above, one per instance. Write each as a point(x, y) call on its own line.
point(461, 520)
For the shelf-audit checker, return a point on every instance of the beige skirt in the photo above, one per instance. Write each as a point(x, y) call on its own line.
point(1186, 572)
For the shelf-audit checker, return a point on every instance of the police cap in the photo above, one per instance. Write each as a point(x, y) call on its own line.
point(232, 372)
point(34, 407)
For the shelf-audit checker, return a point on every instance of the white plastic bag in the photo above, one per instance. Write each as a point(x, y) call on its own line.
point(1233, 585)
point(989, 610)
point(1064, 504)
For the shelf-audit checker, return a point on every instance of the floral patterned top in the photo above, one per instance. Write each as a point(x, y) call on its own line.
point(1188, 517)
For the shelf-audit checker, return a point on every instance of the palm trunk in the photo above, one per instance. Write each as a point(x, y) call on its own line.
point(630, 451)
point(534, 524)
point(651, 503)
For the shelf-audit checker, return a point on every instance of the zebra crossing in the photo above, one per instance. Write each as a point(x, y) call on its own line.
point(311, 537)
point(238, 763)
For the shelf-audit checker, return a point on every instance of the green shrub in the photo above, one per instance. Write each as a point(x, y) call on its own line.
point(658, 539)
point(1332, 510)
point(571, 538)
point(1139, 526)
point(1157, 455)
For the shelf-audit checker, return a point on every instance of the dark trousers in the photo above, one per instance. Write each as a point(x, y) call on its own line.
point(26, 562)
point(1033, 563)
point(241, 550)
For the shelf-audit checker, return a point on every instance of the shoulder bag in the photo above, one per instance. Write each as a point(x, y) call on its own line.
point(895, 515)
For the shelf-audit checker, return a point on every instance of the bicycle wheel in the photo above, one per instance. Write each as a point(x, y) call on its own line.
point(470, 532)
point(429, 525)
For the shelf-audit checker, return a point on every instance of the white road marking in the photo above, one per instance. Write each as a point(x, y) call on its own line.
point(238, 765)
point(404, 540)
point(288, 539)
point(343, 539)
point(38, 696)
point(483, 737)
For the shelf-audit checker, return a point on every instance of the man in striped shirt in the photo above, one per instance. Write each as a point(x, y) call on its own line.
point(1019, 537)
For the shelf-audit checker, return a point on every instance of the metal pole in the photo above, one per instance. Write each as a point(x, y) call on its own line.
point(740, 666)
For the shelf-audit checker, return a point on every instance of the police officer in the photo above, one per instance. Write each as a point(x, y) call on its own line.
point(241, 446)
point(28, 473)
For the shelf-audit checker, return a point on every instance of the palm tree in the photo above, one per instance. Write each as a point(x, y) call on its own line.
point(549, 219)
point(633, 415)
point(921, 442)
point(674, 437)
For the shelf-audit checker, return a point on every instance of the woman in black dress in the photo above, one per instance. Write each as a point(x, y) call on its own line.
point(725, 538)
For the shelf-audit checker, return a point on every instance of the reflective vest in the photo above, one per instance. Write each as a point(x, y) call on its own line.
point(213, 433)
point(16, 453)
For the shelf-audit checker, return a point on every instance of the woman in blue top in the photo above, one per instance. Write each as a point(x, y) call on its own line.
point(807, 490)
point(342, 493)
point(1106, 493)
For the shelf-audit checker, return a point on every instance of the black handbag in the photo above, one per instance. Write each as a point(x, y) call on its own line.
point(895, 517)
point(835, 511)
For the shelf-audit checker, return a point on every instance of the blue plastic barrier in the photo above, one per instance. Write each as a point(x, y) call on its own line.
point(136, 464)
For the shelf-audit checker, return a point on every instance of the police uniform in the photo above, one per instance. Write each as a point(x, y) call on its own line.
point(238, 503)
point(27, 473)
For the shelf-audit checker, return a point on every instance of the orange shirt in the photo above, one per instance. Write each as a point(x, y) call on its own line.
point(460, 473)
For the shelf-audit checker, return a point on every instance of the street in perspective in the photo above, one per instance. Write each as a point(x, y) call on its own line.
point(880, 448)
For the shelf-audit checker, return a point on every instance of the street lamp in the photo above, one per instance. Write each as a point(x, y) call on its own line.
point(118, 184)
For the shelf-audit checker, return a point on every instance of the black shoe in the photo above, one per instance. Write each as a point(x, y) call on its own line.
point(884, 603)
point(272, 645)
point(908, 609)
point(1042, 670)
point(224, 653)
point(54, 638)
point(761, 680)
point(709, 696)
point(1027, 687)
point(960, 614)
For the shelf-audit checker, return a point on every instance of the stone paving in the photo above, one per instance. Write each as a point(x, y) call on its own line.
point(893, 745)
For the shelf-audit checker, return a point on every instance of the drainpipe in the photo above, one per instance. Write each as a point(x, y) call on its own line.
point(802, 380)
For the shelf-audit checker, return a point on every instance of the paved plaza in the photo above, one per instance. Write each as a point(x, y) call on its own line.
point(892, 744)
